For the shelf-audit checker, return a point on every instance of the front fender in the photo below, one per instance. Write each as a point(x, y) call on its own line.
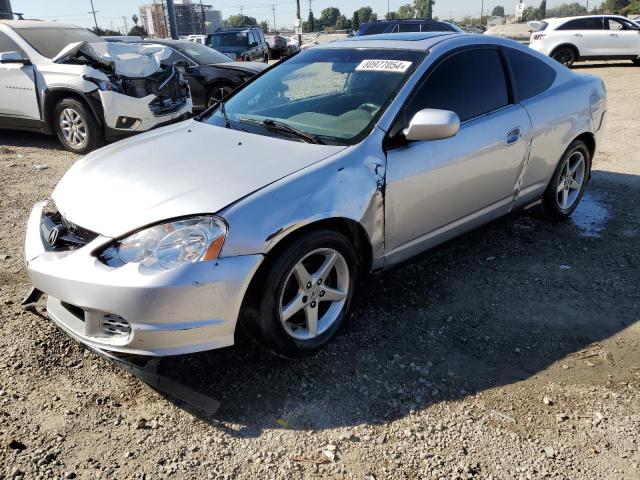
point(348, 185)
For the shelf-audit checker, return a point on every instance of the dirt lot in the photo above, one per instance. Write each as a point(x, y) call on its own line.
point(510, 353)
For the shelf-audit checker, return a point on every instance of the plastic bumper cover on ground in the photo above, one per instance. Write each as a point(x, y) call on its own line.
point(191, 308)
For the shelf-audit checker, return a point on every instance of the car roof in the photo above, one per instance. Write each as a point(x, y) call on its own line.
point(405, 20)
point(37, 24)
point(407, 41)
point(559, 20)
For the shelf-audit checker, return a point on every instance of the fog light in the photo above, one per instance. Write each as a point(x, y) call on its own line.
point(126, 122)
point(112, 325)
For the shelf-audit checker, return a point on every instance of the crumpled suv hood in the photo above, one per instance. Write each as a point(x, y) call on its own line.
point(183, 169)
point(121, 58)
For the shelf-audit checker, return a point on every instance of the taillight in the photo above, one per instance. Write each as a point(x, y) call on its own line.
point(538, 36)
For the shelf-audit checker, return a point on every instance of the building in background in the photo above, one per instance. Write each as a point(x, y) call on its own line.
point(154, 20)
point(191, 18)
point(5, 10)
point(212, 20)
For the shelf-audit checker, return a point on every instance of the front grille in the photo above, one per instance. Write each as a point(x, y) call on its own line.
point(112, 325)
point(166, 106)
point(68, 235)
point(79, 232)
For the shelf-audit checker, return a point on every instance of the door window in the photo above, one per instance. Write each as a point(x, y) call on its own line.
point(470, 83)
point(619, 24)
point(8, 45)
point(593, 23)
point(532, 76)
point(375, 29)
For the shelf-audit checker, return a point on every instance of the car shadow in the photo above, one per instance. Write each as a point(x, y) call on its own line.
point(19, 138)
point(493, 307)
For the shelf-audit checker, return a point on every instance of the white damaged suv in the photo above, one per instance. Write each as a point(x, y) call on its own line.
point(62, 79)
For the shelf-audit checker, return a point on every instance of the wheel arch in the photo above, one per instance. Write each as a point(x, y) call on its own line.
point(353, 230)
point(54, 95)
point(566, 44)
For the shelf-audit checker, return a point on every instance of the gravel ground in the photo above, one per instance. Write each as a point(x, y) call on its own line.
point(510, 353)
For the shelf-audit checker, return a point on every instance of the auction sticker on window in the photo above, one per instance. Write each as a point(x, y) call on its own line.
point(383, 66)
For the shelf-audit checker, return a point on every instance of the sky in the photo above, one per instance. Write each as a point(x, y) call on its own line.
point(110, 12)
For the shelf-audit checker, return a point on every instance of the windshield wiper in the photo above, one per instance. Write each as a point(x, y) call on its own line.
point(227, 123)
point(276, 125)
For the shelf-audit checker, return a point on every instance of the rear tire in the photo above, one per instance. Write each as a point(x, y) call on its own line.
point(567, 56)
point(568, 182)
point(76, 127)
point(304, 296)
point(636, 61)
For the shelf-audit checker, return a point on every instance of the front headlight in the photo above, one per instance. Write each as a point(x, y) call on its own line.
point(170, 244)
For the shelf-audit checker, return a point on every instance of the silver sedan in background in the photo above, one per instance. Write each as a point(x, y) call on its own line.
point(266, 210)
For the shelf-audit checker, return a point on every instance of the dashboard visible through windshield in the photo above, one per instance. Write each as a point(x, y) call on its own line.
point(326, 95)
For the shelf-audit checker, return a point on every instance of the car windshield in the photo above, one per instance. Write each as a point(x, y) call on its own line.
point(228, 39)
point(331, 95)
point(49, 41)
point(202, 54)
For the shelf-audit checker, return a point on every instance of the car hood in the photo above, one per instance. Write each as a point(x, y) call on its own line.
point(251, 67)
point(182, 169)
point(122, 58)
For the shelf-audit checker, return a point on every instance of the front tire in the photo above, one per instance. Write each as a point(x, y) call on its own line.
point(568, 182)
point(636, 61)
point(567, 56)
point(217, 93)
point(76, 127)
point(305, 296)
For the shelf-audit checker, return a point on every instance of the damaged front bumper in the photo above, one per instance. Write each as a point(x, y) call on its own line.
point(125, 115)
point(188, 309)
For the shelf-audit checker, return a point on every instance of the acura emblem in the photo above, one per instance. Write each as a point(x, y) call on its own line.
point(54, 235)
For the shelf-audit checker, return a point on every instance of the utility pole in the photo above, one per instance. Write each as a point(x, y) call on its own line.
point(126, 27)
point(204, 29)
point(273, 8)
point(299, 23)
point(242, 10)
point(481, 11)
point(388, 10)
point(173, 22)
point(93, 10)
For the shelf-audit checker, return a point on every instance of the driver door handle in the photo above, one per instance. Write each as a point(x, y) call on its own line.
point(613, 34)
point(513, 136)
point(577, 34)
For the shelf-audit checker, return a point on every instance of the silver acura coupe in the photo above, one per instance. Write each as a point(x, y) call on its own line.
point(264, 211)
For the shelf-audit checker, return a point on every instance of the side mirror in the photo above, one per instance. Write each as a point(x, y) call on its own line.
point(253, 44)
point(13, 57)
point(432, 124)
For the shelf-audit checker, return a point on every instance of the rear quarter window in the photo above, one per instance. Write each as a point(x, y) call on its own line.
point(532, 76)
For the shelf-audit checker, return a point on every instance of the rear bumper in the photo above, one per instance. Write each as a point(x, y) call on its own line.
point(540, 47)
point(191, 308)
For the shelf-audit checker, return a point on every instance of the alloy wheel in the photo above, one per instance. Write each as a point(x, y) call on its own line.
point(73, 127)
point(565, 56)
point(570, 181)
point(314, 294)
point(218, 94)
